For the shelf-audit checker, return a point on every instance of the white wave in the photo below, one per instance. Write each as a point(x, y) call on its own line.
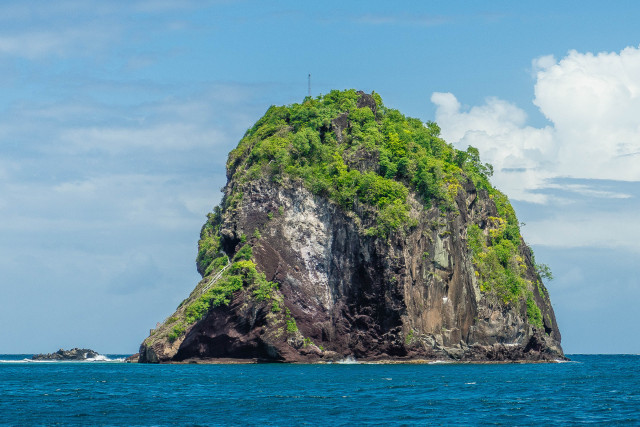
point(99, 358)
point(27, 361)
point(349, 360)
point(437, 362)
point(565, 361)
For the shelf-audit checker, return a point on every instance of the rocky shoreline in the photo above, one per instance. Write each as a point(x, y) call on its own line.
point(218, 361)
point(536, 351)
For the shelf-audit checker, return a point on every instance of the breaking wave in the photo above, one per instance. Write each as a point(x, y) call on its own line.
point(349, 360)
point(99, 358)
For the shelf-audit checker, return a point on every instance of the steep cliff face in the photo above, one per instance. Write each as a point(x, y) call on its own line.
point(294, 270)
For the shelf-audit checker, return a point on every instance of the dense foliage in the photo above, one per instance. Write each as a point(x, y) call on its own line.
point(369, 160)
point(382, 156)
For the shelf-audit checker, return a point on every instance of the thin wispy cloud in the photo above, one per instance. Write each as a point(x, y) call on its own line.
point(403, 19)
point(39, 30)
point(395, 18)
point(148, 162)
point(572, 229)
point(89, 184)
point(42, 44)
point(585, 190)
point(72, 9)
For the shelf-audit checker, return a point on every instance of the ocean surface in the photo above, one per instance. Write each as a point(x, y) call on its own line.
point(590, 389)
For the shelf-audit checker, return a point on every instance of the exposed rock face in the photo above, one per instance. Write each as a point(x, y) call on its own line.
point(412, 296)
point(357, 296)
point(73, 354)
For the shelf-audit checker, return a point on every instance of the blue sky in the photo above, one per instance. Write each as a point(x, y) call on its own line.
point(116, 119)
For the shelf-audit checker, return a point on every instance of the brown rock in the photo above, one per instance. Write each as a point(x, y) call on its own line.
point(356, 296)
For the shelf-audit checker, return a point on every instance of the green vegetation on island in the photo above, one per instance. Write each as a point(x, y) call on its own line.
point(375, 162)
point(370, 160)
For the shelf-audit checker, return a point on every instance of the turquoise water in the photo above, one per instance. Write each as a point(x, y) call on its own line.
point(592, 388)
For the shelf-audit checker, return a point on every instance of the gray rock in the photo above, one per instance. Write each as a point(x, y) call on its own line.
point(73, 354)
point(356, 296)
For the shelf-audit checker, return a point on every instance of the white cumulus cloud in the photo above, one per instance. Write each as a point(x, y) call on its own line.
point(498, 130)
point(593, 104)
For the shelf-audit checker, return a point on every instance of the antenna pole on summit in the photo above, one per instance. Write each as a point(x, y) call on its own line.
point(309, 80)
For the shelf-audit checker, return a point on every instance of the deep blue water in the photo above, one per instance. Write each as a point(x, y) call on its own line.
point(591, 389)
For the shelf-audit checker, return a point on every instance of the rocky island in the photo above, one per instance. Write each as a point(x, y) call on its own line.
point(73, 354)
point(348, 230)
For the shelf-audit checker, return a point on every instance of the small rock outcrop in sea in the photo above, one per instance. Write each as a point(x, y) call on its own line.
point(73, 354)
point(134, 358)
point(348, 230)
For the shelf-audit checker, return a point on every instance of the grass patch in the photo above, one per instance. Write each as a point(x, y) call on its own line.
point(534, 315)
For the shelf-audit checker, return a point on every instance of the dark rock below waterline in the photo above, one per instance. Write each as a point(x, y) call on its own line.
point(73, 354)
